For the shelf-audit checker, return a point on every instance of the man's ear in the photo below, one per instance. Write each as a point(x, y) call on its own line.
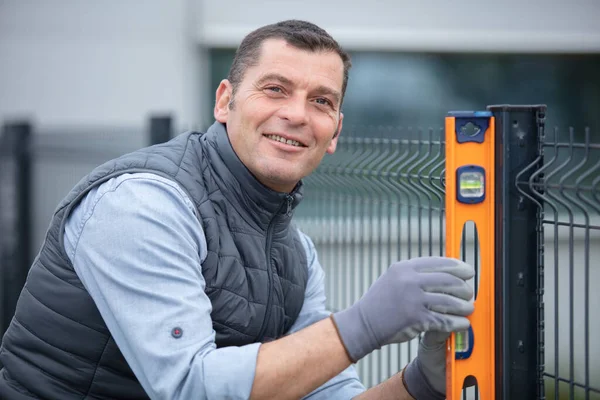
point(333, 145)
point(222, 100)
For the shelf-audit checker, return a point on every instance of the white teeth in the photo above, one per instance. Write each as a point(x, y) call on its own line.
point(283, 140)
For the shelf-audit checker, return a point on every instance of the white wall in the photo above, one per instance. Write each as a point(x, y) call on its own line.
point(108, 62)
point(438, 25)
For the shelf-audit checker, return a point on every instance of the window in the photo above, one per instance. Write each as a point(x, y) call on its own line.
point(417, 90)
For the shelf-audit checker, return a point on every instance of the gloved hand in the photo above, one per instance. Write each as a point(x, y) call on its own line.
point(425, 376)
point(412, 296)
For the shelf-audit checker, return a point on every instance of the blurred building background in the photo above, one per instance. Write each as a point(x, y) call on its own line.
point(112, 62)
point(88, 75)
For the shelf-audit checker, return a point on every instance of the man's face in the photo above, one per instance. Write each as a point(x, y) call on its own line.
point(286, 113)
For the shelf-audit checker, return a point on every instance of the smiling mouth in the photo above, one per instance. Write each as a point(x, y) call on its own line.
point(278, 138)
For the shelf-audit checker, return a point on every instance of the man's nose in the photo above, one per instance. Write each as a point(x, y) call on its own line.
point(294, 111)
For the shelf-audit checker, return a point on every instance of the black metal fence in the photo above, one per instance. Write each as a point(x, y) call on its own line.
point(15, 216)
point(566, 189)
point(37, 169)
point(380, 198)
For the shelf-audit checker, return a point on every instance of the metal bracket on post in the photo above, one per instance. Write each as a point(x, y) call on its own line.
point(518, 258)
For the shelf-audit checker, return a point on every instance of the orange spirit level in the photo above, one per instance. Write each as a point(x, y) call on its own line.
point(470, 197)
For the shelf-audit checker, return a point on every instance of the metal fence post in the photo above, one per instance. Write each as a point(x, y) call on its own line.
point(160, 129)
point(15, 211)
point(519, 253)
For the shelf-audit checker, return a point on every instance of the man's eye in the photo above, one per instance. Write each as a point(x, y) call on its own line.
point(324, 101)
point(274, 89)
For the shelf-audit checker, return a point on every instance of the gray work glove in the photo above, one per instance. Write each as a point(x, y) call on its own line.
point(425, 376)
point(413, 296)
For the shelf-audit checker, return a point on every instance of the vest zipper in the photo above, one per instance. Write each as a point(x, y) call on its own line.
point(288, 202)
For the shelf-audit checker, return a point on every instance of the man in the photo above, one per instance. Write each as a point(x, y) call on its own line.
point(174, 272)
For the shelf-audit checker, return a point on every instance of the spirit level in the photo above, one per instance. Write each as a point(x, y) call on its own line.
point(471, 184)
point(470, 197)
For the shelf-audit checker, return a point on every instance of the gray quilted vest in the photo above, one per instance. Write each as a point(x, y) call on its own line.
point(57, 345)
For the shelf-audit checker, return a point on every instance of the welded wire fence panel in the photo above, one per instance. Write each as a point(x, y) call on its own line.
point(378, 199)
point(567, 188)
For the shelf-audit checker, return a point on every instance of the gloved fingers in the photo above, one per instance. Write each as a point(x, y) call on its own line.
point(452, 266)
point(447, 323)
point(440, 282)
point(433, 340)
point(448, 304)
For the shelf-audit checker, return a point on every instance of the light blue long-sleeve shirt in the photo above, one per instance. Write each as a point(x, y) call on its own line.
point(137, 246)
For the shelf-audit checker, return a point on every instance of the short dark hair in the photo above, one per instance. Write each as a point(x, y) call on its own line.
point(300, 34)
